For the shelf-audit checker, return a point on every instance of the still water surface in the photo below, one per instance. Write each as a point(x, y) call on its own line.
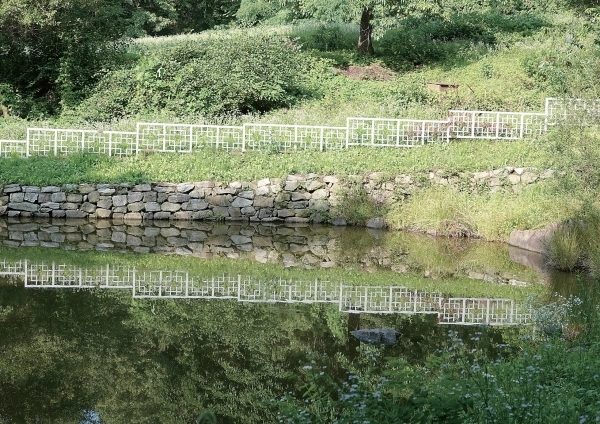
point(98, 341)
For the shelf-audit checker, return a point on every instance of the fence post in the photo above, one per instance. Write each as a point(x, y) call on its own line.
point(137, 138)
point(244, 137)
point(415, 302)
point(321, 139)
point(546, 113)
point(372, 131)
point(498, 124)
point(55, 142)
point(218, 137)
point(109, 144)
point(347, 132)
point(522, 125)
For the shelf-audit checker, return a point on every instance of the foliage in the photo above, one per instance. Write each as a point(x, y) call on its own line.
point(53, 53)
point(474, 379)
point(217, 77)
point(355, 204)
point(251, 12)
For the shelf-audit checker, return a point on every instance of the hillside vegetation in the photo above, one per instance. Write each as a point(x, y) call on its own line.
point(274, 67)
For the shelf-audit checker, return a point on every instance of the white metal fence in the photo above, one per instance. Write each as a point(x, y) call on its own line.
point(579, 111)
point(495, 125)
point(154, 284)
point(366, 132)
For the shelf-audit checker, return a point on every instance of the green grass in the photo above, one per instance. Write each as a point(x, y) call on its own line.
point(222, 166)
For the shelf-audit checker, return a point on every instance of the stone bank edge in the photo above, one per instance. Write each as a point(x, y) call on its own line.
point(295, 199)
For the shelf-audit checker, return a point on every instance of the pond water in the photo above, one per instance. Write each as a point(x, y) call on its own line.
point(88, 337)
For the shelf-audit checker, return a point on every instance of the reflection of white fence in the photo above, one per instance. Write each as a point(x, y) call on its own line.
point(368, 132)
point(157, 284)
point(482, 311)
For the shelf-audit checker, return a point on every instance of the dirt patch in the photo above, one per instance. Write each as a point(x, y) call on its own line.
point(369, 73)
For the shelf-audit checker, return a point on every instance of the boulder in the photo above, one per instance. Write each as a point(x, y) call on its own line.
point(377, 223)
point(533, 240)
point(385, 336)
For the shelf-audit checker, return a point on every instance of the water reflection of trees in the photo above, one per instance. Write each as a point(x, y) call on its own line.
point(149, 360)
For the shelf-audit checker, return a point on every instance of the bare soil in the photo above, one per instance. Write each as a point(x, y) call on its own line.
point(371, 73)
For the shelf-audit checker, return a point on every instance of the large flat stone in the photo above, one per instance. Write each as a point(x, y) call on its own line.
point(23, 206)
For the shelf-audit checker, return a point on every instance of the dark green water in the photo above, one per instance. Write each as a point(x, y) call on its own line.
point(100, 355)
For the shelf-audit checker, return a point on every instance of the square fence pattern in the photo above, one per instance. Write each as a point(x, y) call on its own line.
point(61, 142)
point(183, 138)
point(495, 125)
point(364, 132)
point(289, 138)
point(378, 132)
point(350, 299)
point(483, 311)
point(579, 111)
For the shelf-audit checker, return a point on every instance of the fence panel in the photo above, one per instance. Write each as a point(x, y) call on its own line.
point(495, 125)
point(184, 138)
point(290, 138)
point(111, 143)
point(164, 138)
point(12, 148)
point(167, 284)
point(379, 132)
point(381, 300)
point(60, 142)
point(467, 311)
point(217, 137)
point(222, 287)
point(576, 111)
point(53, 142)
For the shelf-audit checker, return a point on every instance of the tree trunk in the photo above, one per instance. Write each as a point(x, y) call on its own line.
point(365, 44)
point(4, 110)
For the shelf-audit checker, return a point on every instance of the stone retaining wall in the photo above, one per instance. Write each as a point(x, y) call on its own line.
point(295, 199)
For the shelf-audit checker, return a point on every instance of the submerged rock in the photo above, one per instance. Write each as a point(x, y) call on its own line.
point(385, 336)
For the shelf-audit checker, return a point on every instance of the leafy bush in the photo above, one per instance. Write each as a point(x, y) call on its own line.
point(216, 77)
point(403, 48)
point(328, 37)
point(355, 204)
point(252, 12)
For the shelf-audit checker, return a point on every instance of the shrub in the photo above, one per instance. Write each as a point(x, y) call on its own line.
point(215, 77)
point(355, 204)
point(252, 12)
point(565, 249)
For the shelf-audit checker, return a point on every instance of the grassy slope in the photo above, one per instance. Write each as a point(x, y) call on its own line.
point(489, 79)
